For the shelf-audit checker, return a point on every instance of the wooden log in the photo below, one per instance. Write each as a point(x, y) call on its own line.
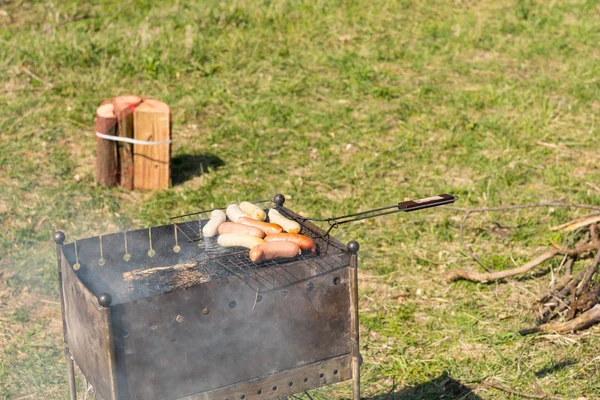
point(159, 280)
point(124, 106)
point(107, 165)
point(152, 163)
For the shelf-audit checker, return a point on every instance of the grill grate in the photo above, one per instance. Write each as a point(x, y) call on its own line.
point(263, 277)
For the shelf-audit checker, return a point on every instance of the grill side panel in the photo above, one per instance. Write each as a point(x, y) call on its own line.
point(223, 331)
point(87, 332)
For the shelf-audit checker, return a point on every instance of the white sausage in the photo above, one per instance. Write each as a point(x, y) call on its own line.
point(253, 211)
point(287, 224)
point(238, 240)
point(217, 217)
point(234, 213)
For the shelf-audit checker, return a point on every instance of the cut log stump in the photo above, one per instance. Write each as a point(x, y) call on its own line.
point(107, 165)
point(152, 163)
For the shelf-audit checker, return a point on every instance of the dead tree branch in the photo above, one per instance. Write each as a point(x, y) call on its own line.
point(494, 276)
point(583, 321)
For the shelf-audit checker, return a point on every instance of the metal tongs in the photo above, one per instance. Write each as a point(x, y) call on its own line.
point(404, 206)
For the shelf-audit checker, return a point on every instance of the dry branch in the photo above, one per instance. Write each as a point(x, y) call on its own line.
point(554, 290)
point(583, 321)
point(494, 276)
point(577, 223)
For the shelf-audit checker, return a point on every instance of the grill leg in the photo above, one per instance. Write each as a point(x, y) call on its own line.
point(59, 239)
point(71, 377)
point(353, 247)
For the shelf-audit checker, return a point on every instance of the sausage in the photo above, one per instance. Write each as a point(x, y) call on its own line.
point(234, 213)
point(239, 240)
point(274, 250)
point(232, 227)
point(253, 211)
point(266, 227)
point(304, 242)
point(217, 217)
point(287, 224)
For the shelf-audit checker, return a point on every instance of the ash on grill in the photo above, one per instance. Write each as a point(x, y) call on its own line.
point(164, 313)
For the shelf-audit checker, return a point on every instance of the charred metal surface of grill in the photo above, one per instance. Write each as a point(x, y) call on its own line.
point(254, 330)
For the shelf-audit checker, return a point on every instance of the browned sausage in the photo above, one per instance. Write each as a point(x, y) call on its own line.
point(266, 227)
point(274, 250)
point(232, 227)
point(304, 242)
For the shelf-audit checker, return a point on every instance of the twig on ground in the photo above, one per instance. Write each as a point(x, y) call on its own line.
point(37, 78)
point(75, 18)
point(469, 211)
point(577, 223)
point(468, 248)
point(583, 321)
point(554, 290)
point(494, 276)
point(526, 395)
point(568, 149)
point(522, 206)
point(593, 186)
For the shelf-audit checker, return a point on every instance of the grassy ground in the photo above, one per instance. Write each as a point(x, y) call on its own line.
point(341, 108)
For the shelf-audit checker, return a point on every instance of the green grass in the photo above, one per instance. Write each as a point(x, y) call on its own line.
point(342, 107)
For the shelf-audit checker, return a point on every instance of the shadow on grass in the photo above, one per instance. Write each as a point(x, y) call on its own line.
point(554, 367)
point(443, 387)
point(188, 166)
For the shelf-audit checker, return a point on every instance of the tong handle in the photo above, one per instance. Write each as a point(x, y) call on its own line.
point(428, 202)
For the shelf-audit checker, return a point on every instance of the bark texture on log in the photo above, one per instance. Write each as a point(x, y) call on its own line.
point(107, 163)
point(124, 106)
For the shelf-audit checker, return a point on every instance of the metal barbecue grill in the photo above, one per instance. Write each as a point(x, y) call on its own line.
point(164, 313)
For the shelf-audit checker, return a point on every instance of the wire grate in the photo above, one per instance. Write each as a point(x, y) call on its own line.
point(215, 260)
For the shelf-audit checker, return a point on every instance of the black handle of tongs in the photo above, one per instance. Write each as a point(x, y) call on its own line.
point(404, 206)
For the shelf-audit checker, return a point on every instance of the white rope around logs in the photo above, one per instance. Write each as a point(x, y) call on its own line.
point(129, 140)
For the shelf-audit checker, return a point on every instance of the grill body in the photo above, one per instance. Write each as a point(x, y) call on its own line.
point(263, 333)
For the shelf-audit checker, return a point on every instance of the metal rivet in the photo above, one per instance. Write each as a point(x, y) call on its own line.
point(127, 257)
point(336, 280)
point(177, 249)
point(76, 266)
point(151, 253)
point(101, 262)
point(179, 318)
point(206, 311)
point(232, 304)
